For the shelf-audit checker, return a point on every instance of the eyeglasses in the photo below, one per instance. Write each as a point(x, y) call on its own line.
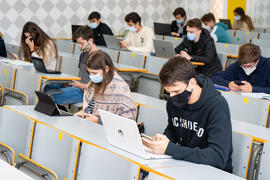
point(249, 65)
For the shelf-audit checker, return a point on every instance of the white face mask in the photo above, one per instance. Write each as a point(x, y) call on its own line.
point(206, 27)
point(249, 71)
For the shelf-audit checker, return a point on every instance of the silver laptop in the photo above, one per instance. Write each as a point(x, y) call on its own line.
point(113, 42)
point(123, 133)
point(164, 48)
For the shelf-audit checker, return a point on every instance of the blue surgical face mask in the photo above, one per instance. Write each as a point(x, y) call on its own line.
point(96, 78)
point(93, 25)
point(132, 29)
point(237, 18)
point(191, 36)
point(179, 21)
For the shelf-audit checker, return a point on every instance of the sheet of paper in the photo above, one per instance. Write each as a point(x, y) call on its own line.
point(257, 95)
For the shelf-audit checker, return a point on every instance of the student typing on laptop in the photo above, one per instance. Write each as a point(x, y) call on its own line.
point(99, 28)
point(106, 90)
point(178, 26)
point(139, 38)
point(199, 124)
point(73, 93)
point(35, 42)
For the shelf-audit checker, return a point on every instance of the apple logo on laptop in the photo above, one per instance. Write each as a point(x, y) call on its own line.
point(120, 132)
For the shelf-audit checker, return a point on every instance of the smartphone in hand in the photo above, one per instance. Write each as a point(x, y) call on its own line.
point(238, 83)
point(12, 55)
point(146, 137)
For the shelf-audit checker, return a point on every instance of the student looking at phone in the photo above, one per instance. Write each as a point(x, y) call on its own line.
point(250, 74)
point(106, 90)
point(73, 92)
point(199, 122)
point(35, 42)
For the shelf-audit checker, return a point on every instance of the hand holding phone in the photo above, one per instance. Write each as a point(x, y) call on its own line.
point(13, 55)
point(238, 83)
point(146, 137)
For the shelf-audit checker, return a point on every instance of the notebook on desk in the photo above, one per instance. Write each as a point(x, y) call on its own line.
point(257, 95)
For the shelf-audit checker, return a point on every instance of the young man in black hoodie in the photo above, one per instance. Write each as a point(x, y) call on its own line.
point(199, 46)
point(199, 124)
point(178, 26)
point(99, 28)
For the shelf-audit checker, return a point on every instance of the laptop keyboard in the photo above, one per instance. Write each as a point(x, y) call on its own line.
point(155, 156)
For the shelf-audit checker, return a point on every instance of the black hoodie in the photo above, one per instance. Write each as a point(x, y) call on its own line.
point(202, 51)
point(201, 132)
point(98, 33)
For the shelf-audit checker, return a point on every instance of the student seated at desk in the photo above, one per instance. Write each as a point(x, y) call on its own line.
point(242, 22)
point(106, 90)
point(218, 31)
point(74, 92)
point(252, 71)
point(199, 123)
point(99, 28)
point(198, 46)
point(139, 38)
point(178, 26)
point(35, 42)
point(3, 51)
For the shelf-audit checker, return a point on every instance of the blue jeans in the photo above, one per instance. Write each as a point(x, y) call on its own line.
point(69, 94)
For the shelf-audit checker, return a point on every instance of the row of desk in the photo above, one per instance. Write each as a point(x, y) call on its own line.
point(250, 118)
point(142, 100)
point(94, 134)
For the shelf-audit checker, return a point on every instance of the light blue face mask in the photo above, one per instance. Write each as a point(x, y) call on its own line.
point(93, 25)
point(96, 78)
point(191, 36)
point(132, 29)
point(207, 27)
point(237, 18)
point(179, 21)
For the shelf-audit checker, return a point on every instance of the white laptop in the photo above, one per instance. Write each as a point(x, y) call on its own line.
point(164, 48)
point(123, 133)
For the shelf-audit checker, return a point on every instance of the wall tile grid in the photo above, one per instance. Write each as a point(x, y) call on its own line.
point(56, 16)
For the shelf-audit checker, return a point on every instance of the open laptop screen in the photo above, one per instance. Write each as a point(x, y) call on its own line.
point(73, 29)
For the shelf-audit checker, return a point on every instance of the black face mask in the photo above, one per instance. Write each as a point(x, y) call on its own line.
point(180, 100)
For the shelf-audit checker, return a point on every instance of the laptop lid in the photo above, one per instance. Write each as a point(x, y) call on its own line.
point(73, 29)
point(39, 65)
point(162, 28)
point(122, 133)
point(227, 22)
point(112, 42)
point(164, 48)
